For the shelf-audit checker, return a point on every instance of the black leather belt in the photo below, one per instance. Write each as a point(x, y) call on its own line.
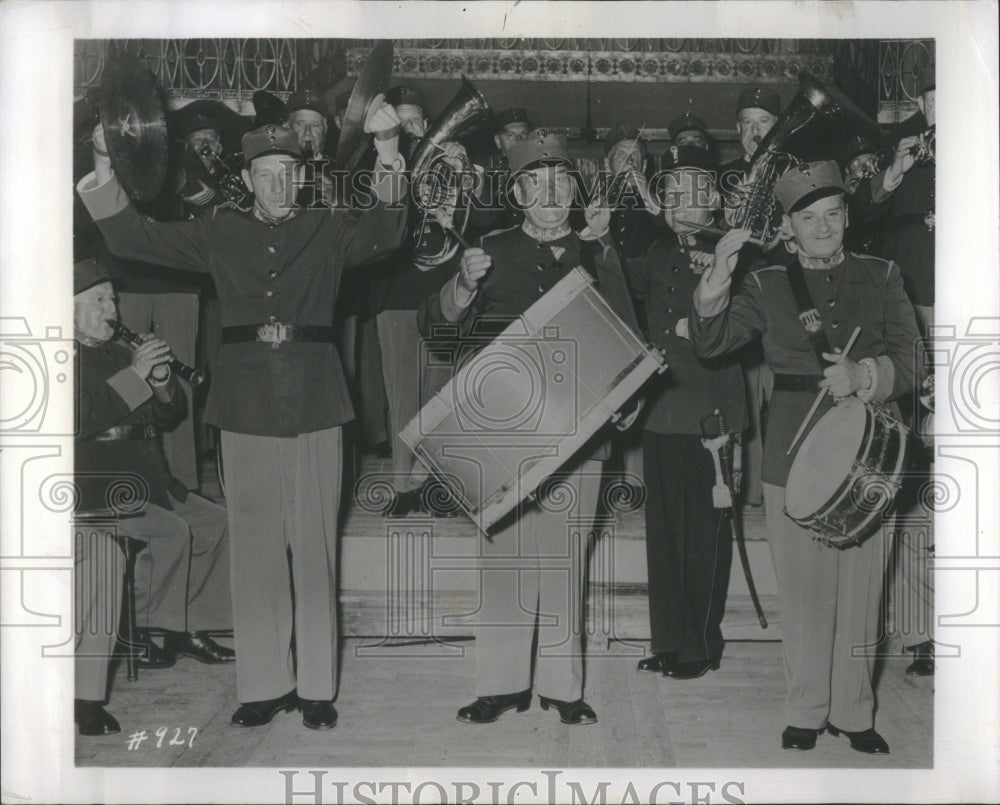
point(797, 382)
point(125, 432)
point(276, 332)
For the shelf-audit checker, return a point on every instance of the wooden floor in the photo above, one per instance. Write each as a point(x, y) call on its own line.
point(398, 701)
point(397, 707)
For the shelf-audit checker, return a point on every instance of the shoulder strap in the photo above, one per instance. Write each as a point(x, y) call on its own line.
point(808, 314)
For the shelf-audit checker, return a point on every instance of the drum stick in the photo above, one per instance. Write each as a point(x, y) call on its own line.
point(441, 217)
point(822, 394)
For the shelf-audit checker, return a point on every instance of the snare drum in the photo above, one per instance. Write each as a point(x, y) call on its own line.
point(847, 473)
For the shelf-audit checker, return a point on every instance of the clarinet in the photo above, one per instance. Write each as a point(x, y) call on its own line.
point(194, 377)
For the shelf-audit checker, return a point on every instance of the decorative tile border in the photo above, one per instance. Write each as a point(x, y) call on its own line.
point(583, 65)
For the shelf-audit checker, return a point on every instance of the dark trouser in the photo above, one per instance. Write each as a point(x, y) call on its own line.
point(98, 569)
point(689, 548)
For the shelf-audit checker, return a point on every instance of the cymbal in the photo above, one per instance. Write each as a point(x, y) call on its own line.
point(135, 126)
point(374, 78)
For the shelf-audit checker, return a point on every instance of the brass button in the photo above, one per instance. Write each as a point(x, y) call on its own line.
point(829, 277)
point(541, 266)
point(832, 302)
point(270, 293)
point(835, 325)
point(671, 289)
point(272, 248)
point(670, 310)
point(272, 274)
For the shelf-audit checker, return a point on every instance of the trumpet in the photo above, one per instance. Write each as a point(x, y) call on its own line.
point(230, 183)
point(194, 377)
point(923, 152)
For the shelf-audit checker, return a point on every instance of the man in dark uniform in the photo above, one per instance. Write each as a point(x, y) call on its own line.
point(757, 111)
point(688, 129)
point(688, 545)
point(829, 598)
point(497, 283)
point(904, 192)
point(278, 395)
point(307, 118)
point(856, 160)
point(182, 576)
point(633, 212)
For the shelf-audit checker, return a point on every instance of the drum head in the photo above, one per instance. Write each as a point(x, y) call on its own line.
point(825, 459)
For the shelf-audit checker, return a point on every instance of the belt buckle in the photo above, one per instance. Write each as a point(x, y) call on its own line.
point(273, 333)
point(149, 431)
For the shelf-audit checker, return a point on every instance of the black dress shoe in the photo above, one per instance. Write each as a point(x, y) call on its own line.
point(148, 653)
point(93, 719)
point(318, 714)
point(487, 709)
point(798, 738)
point(867, 741)
point(199, 646)
point(658, 662)
point(923, 663)
point(578, 712)
point(405, 504)
point(690, 670)
point(257, 714)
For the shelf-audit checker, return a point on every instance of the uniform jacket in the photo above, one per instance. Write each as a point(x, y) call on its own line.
point(109, 394)
point(523, 271)
point(290, 271)
point(692, 387)
point(901, 235)
point(862, 290)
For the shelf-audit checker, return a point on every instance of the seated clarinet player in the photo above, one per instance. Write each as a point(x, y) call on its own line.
point(805, 315)
point(125, 399)
point(689, 548)
point(495, 284)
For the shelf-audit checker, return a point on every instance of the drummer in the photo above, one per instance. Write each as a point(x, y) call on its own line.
point(531, 569)
point(829, 598)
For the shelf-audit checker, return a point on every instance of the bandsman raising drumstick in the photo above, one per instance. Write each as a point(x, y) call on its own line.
point(804, 314)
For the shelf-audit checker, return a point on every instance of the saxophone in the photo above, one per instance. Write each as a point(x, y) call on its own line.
point(760, 211)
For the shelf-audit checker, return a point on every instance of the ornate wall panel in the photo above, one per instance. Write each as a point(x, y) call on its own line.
point(900, 63)
point(764, 61)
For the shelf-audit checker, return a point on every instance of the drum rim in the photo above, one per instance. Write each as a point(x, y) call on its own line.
point(821, 515)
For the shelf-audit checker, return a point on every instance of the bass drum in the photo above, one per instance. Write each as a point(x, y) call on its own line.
point(847, 473)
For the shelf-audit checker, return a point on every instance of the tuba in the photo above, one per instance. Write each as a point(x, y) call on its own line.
point(440, 191)
point(760, 211)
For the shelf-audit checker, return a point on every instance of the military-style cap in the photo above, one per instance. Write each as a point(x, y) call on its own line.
point(88, 273)
point(515, 114)
point(270, 139)
point(268, 108)
point(686, 156)
point(925, 81)
point(619, 133)
point(404, 96)
point(539, 147)
point(199, 115)
point(759, 98)
point(307, 99)
point(807, 183)
point(684, 123)
point(856, 146)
